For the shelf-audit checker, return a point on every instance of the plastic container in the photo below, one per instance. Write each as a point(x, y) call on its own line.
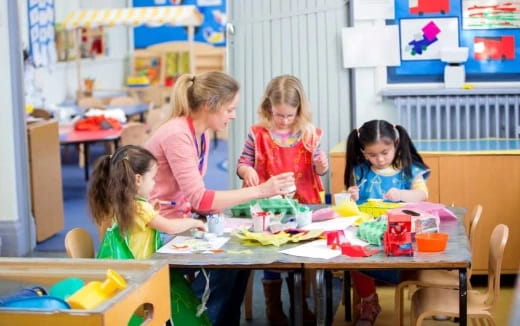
point(431, 242)
point(95, 292)
point(274, 205)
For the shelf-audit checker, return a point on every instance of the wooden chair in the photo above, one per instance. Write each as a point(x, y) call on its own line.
point(134, 133)
point(78, 244)
point(123, 101)
point(435, 278)
point(91, 102)
point(427, 302)
point(155, 118)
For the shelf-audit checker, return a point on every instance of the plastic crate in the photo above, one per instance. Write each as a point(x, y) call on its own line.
point(274, 205)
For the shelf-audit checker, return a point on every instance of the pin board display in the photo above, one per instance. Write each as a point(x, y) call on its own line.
point(211, 31)
point(490, 29)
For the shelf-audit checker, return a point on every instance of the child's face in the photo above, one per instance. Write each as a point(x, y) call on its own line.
point(380, 154)
point(284, 116)
point(219, 119)
point(146, 181)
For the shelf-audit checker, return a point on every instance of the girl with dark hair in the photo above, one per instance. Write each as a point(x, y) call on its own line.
point(382, 163)
point(119, 189)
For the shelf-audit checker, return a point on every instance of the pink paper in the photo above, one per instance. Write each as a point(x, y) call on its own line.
point(432, 208)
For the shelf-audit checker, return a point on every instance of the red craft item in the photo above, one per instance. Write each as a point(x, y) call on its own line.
point(357, 251)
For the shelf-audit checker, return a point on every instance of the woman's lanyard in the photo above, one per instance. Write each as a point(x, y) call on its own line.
point(201, 151)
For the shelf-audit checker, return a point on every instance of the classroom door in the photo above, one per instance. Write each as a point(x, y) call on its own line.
point(267, 38)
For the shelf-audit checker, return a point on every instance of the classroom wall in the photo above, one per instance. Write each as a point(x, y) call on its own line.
point(59, 82)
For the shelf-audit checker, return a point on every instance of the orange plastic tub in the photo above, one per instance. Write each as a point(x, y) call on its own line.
point(431, 242)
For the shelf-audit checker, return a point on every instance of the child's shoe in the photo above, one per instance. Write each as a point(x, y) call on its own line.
point(369, 309)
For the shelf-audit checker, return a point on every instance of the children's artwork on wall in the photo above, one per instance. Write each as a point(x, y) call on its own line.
point(421, 7)
point(490, 14)
point(494, 48)
point(41, 32)
point(423, 39)
point(490, 29)
point(212, 29)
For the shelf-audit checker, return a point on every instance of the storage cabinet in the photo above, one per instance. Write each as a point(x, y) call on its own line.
point(466, 179)
point(45, 176)
point(147, 283)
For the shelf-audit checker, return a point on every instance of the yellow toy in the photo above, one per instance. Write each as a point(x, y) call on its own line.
point(95, 292)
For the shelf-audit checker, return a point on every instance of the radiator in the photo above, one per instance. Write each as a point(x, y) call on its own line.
point(460, 117)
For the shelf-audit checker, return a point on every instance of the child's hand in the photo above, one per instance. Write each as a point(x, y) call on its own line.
point(199, 225)
point(321, 163)
point(393, 194)
point(277, 184)
point(156, 204)
point(354, 192)
point(250, 177)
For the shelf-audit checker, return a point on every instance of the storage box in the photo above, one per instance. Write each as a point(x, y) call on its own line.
point(147, 284)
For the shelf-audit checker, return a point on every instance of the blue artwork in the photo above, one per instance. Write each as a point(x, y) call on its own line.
point(212, 29)
point(42, 47)
point(493, 50)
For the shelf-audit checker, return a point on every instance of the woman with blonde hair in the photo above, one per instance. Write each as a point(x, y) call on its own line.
point(203, 103)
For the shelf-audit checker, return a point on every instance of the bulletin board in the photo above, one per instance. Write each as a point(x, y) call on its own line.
point(211, 31)
point(490, 29)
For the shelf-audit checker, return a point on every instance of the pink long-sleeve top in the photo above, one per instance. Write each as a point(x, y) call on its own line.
point(178, 177)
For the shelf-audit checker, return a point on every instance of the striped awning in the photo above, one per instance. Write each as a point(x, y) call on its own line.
point(151, 16)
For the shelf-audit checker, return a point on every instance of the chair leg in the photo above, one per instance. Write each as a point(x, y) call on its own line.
point(399, 309)
point(248, 299)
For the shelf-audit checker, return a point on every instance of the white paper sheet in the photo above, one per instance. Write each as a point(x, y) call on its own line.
point(370, 46)
point(373, 9)
point(339, 223)
point(188, 245)
point(314, 249)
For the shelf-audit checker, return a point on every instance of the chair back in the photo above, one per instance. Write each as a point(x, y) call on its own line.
point(123, 101)
point(91, 102)
point(78, 244)
point(155, 118)
point(134, 133)
point(497, 244)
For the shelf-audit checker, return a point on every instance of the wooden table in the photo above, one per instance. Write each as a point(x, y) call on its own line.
point(456, 256)
point(262, 257)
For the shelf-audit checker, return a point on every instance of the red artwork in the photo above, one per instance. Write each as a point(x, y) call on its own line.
point(421, 7)
point(494, 48)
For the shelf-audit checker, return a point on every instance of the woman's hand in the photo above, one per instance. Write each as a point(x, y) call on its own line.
point(354, 192)
point(321, 163)
point(393, 194)
point(277, 185)
point(250, 177)
point(199, 225)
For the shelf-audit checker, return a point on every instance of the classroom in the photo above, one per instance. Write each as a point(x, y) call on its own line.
point(260, 162)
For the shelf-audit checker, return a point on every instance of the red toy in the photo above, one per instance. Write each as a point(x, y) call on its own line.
point(398, 237)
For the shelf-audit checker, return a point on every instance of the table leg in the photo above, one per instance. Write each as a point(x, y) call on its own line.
point(298, 298)
point(320, 297)
point(328, 297)
point(463, 297)
point(347, 299)
point(85, 159)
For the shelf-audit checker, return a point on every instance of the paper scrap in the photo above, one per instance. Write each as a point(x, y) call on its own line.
point(338, 223)
point(314, 249)
point(188, 245)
